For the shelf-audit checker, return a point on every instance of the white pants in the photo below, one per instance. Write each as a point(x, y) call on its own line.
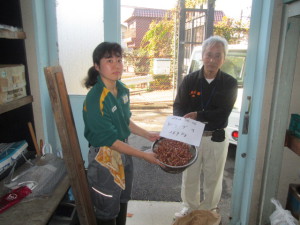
point(211, 160)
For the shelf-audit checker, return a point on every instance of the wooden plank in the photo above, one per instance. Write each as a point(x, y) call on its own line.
point(70, 144)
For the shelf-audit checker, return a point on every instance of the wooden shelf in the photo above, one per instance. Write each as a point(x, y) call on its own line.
point(292, 142)
point(15, 104)
point(12, 34)
point(37, 211)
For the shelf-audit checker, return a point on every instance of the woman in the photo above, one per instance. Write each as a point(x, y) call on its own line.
point(106, 114)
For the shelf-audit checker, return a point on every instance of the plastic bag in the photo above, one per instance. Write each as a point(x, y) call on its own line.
point(281, 216)
point(41, 177)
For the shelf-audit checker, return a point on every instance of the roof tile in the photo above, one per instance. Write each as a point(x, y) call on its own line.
point(146, 12)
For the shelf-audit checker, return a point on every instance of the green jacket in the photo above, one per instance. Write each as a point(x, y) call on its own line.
point(106, 118)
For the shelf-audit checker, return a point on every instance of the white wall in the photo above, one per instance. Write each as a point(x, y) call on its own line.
point(76, 105)
point(80, 30)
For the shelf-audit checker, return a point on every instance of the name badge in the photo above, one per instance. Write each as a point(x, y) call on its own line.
point(125, 99)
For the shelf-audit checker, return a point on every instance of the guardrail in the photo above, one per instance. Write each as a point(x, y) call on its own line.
point(138, 80)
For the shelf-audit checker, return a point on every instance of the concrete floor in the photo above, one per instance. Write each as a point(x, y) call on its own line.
point(151, 212)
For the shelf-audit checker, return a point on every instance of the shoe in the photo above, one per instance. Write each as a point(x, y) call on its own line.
point(183, 212)
point(216, 210)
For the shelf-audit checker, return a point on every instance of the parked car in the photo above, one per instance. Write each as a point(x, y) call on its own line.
point(235, 66)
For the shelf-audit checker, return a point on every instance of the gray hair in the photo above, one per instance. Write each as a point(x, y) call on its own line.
point(211, 41)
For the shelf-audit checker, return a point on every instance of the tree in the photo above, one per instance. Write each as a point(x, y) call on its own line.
point(138, 60)
point(158, 40)
point(234, 31)
point(194, 3)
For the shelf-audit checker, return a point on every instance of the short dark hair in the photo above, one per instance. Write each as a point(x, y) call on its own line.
point(103, 50)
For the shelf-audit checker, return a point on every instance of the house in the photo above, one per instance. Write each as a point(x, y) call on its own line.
point(195, 29)
point(195, 25)
point(123, 31)
point(138, 24)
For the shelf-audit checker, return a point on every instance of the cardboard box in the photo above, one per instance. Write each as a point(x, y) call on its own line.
point(12, 77)
point(12, 95)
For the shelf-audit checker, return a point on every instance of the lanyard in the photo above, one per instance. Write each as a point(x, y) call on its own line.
point(209, 99)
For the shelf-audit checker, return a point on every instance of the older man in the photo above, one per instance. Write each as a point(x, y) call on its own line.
point(207, 95)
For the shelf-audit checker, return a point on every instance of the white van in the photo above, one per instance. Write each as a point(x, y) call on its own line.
point(234, 65)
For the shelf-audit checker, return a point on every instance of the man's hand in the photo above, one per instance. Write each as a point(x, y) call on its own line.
point(153, 136)
point(191, 115)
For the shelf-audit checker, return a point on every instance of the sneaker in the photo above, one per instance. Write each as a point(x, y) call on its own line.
point(183, 212)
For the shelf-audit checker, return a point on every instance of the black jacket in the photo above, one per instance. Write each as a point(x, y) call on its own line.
point(213, 102)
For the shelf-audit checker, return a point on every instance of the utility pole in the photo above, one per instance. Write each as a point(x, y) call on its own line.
point(181, 40)
point(209, 31)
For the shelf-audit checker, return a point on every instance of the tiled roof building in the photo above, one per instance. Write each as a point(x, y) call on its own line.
point(218, 16)
point(146, 12)
point(138, 24)
point(139, 21)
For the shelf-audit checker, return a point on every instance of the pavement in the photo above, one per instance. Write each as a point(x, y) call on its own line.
point(156, 194)
point(150, 109)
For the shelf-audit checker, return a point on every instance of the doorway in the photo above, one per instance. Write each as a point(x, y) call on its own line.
point(282, 164)
point(168, 186)
point(262, 160)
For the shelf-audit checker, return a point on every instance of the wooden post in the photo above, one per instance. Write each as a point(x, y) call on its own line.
point(70, 144)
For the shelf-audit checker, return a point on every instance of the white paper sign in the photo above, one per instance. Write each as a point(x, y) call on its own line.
point(181, 129)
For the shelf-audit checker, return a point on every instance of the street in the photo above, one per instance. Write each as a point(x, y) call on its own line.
point(151, 183)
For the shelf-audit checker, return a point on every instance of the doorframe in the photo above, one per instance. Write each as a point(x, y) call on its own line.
point(280, 111)
point(257, 175)
point(249, 145)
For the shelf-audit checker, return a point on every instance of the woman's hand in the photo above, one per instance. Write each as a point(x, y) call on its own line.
point(151, 158)
point(135, 129)
point(191, 115)
point(148, 156)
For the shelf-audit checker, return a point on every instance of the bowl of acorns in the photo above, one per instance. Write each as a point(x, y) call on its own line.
point(175, 156)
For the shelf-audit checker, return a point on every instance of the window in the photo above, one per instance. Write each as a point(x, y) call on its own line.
point(77, 38)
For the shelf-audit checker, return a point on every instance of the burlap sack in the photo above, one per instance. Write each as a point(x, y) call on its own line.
point(199, 217)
